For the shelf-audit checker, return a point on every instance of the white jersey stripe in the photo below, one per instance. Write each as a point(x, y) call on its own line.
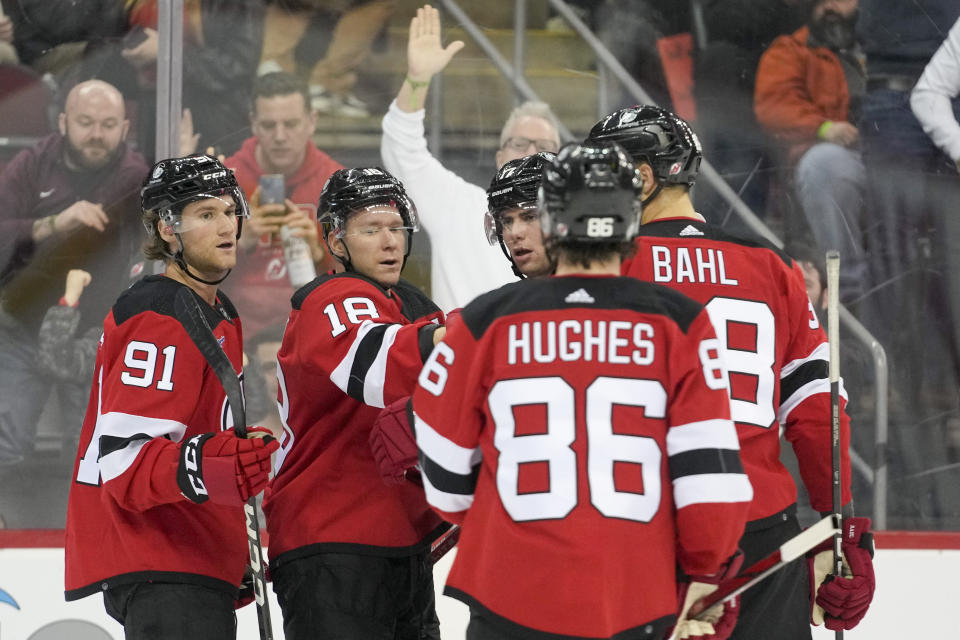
point(375, 379)
point(444, 452)
point(711, 487)
point(449, 502)
point(822, 352)
point(812, 388)
point(707, 434)
point(125, 425)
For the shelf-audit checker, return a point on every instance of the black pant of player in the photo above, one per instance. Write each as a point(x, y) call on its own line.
point(778, 607)
point(485, 626)
point(343, 596)
point(160, 611)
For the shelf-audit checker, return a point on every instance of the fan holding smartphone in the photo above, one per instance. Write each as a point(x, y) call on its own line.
point(296, 249)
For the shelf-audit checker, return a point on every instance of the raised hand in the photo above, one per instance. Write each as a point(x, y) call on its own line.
point(426, 56)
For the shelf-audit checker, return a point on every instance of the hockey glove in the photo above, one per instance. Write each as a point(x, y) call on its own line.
point(392, 442)
point(840, 604)
point(224, 468)
point(718, 621)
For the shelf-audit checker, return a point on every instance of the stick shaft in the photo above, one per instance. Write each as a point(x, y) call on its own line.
point(833, 335)
point(191, 316)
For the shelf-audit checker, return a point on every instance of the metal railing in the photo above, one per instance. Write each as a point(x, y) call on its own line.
point(514, 73)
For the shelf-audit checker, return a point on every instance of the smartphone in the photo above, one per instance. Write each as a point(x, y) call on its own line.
point(134, 37)
point(273, 189)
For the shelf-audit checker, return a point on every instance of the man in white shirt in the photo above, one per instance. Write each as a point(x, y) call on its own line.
point(462, 264)
point(935, 99)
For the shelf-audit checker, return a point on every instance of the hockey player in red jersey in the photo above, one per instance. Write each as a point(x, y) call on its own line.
point(155, 515)
point(349, 553)
point(777, 357)
point(513, 219)
point(578, 427)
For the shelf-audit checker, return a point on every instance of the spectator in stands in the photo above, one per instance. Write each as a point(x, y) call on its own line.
point(69, 203)
point(736, 34)
point(912, 191)
point(325, 42)
point(934, 99)
point(222, 40)
point(282, 142)
point(54, 35)
point(8, 53)
point(809, 85)
point(260, 384)
point(814, 274)
point(462, 264)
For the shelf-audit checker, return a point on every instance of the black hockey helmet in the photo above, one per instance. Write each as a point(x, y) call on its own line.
point(350, 190)
point(591, 193)
point(514, 186)
point(176, 182)
point(656, 136)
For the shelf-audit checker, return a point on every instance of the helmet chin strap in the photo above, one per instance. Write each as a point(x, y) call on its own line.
point(653, 195)
point(178, 258)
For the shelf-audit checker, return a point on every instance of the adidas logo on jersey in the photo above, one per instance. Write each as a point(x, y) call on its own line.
point(580, 296)
point(691, 230)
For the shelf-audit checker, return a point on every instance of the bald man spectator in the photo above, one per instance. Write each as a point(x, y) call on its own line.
point(70, 202)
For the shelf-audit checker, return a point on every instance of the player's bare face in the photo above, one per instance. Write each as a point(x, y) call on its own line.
point(210, 243)
point(524, 239)
point(377, 239)
point(283, 125)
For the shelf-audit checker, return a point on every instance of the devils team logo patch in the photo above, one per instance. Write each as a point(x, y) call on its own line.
point(675, 168)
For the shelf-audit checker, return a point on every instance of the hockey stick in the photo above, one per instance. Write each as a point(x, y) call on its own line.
point(833, 335)
point(444, 543)
point(448, 539)
point(795, 547)
point(188, 311)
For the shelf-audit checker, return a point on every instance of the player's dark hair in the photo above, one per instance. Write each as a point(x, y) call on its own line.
point(279, 83)
point(585, 254)
point(804, 252)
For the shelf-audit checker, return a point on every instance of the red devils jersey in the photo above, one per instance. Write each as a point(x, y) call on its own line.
point(776, 352)
point(126, 518)
point(579, 428)
point(348, 349)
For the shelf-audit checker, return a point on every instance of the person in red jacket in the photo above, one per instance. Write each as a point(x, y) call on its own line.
point(777, 360)
point(283, 126)
point(155, 516)
point(807, 95)
point(349, 554)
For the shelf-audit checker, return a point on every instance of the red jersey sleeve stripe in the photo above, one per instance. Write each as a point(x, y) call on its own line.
point(124, 425)
point(711, 488)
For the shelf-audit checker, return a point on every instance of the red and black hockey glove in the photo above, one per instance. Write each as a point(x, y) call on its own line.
point(224, 468)
point(392, 442)
point(717, 622)
point(840, 603)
